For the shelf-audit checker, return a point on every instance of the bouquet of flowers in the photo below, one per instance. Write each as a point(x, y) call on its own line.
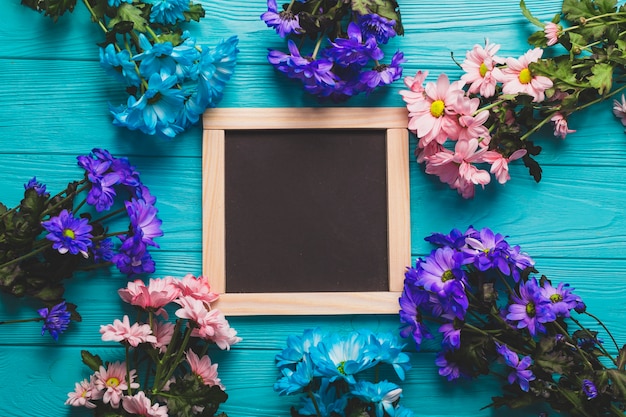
point(331, 370)
point(496, 317)
point(489, 115)
point(169, 78)
point(169, 372)
point(48, 238)
point(333, 43)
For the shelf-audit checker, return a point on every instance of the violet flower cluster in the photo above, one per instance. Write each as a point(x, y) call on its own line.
point(49, 238)
point(474, 127)
point(330, 372)
point(170, 79)
point(335, 46)
point(167, 370)
point(491, 315)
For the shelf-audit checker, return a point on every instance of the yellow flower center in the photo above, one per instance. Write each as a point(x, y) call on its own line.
point(341, 369)
point(524, 76)
point(69, 233)
point(555, 298)
point(112, 382)
point(447, 276)
point(436, 109)
point(483, 70)
point(530, 309)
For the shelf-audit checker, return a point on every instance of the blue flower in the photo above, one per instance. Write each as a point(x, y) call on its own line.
point(116, 3)
point(326, 400)
point(520, 372)
point(299, 346)
point(341, 358)
point(383, 395)
point(167, 12)
point(386, 348)
point(216, 68)
point(353, 50)
point(69, 234)
point(284, 22)
point(56, 320)
point(296, 380)
point(589, 389)
point(119, 65)
point(401, 411)
point(39, 187)
point(377, 26)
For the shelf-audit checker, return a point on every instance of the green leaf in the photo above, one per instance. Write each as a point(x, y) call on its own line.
point(618, 381)
point(52, 8)
point(127, 12)
point(575, 9)
point(602, 78)
point(621, 358)
point(388, 9)
point(606, 6)
point(538, 39)
point(195, 12)
point(184, 393)
point(532, 19)
point(94, 362)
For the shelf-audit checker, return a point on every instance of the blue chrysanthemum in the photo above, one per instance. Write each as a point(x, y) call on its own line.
point(341, 357)
point(326, 402)
point(299, 346)
point(119, 65)
point(56, 320)
point(386, 348)
point(117, 3)
point(167, 12)
point(39, 187)
point(295, 380)
point(382, 394)
point(69, 234)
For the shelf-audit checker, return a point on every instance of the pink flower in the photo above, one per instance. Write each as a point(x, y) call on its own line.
point(500, 164)
point(416, 88)
point(141, 405)
point(457, 169)
point(203, 369)
point(83, 392)
point(619, 110)
point(432, 118)
point(560, 125)
point(122, 331)
point(480, 69)
point(111, 383)
point(192, 309)
point(225, 336)
point(197, 288)
point(517, 77)
point(163, 332)
point(552, 31)
point(472, 124)
point(155, 296)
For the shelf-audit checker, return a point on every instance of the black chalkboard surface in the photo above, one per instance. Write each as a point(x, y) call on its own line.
point(306, 210)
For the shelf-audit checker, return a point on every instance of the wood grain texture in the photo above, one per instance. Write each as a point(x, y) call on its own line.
point(54, 104)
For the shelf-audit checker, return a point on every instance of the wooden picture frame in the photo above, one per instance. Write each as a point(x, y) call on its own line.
point(392, 121)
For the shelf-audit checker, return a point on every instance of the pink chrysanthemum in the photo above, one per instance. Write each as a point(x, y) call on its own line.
point(111, 383)
point(225, 336)
point(198, 288)
point(163, 332)
point(203, 368)
point(416, 88)
point(457, 169)
point(431, 118)
point(157, 294)
point(471, 124)
point(619, 109)
point(500, 164)
point(480, 69)
point(82, 394)
point(552, 31)
point(560, 125)
point(517, 77)
point(141, 405)
point(122, 331)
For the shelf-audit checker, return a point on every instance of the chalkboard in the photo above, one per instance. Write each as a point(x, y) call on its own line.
point(306, 211)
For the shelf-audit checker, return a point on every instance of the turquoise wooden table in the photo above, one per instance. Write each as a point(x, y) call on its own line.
point(54, 101)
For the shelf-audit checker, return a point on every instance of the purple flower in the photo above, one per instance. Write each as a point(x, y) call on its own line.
point(450, 368)
point(294, 65)
point(410, 302)
point(383, 74)
point(284, 22)
point(589, 389)
point(56, 320)
point(133, 257)
point(490, 251)
point(451, 336)
point(520, 372)
point(69, 234)
point(561, 297)
point(530, 309)
point(455, 239)
point(144, 221)
point(353, 50)
point(39, 188)
point(102, 251)
point(441, 269)
point(377, 26)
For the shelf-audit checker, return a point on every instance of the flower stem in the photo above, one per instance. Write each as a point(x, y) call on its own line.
point(21, 320)
point(312, 397)
point(604, 327)
point(28, 255)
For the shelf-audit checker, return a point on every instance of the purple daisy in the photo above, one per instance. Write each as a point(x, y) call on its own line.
point(490, 251)
point(284, 22)
point(56, 320)
point(455, 239)
point(530, 309)
point(451, 336)
point(133, 257)
point(411, 300)
point(39, 188)
point(144, 221)
point(102, 194)
point(383, 74)
point(589, 389)
point(102, 251)
point(520, 372)
point(448, 367)
point(440, 269)
point(69, 234)
point(562, 299)
point(377, 26)
point(353, 50)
